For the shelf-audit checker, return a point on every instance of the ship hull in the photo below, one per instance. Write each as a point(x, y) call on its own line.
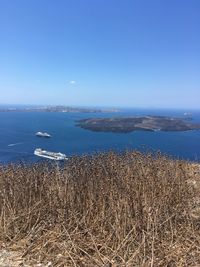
point(42, 136)
point(50, 155)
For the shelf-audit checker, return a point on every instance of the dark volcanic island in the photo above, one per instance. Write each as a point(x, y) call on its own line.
point(146, 123)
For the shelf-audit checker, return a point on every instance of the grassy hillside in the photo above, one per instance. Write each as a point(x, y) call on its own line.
point(104, 210)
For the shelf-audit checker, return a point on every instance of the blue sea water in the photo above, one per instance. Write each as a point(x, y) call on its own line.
point(18, 140)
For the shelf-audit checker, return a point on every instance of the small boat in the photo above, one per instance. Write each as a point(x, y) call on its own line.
point(49, 155)
point(41, 134)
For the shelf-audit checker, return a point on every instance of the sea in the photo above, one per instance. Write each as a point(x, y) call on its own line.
point(18, 140)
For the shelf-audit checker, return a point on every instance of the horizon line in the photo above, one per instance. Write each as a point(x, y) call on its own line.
point(102, 106)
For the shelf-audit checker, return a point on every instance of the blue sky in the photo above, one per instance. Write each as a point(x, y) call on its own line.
point(131, 53)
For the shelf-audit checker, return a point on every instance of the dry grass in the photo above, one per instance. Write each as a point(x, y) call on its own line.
point(104, 210)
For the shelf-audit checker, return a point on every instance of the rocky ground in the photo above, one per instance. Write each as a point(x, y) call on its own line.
point(15, 259)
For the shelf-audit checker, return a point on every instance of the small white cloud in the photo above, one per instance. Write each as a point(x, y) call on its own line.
point(72, 82)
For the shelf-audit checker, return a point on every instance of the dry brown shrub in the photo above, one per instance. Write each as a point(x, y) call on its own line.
point(102, 210)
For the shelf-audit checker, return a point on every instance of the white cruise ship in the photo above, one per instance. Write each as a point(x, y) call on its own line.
point(49, 155)
point(41, 134)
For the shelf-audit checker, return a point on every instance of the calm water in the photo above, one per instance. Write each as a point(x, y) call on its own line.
point(18, 140)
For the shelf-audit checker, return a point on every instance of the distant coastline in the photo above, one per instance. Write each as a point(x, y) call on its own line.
point(57, 109)
point(130, 124)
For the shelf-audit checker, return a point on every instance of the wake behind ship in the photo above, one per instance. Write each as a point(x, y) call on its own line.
point(49, 155)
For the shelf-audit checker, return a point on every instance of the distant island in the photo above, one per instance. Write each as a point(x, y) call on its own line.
point(129, 124)
point(57, 109)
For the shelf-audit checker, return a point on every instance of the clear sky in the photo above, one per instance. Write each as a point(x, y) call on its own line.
point(131, 53)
